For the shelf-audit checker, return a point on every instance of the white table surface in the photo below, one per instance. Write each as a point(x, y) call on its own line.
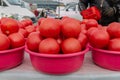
point(88, 71)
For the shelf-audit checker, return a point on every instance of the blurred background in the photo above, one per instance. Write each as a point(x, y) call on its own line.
point(35, 9)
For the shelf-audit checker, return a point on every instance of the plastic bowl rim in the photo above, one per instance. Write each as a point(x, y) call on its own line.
point(11, 50)
point(105, 51)
point(56, 55)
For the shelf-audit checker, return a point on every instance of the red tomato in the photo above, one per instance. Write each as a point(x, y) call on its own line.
point(29, 21)
point(24, 23)
point(114, 44)
point(4, 42)
point(50, 28)
point(114, 30)
point(91, 23)
point(71, 45)
point(23, 32)
point(71, 29)
point(16, 40)
point(40, 20)
point(83, 28)
point(9, 26)
point(49, 46)
point(20, 25)
point(99, 38)
point(83, 40)
point(91, 30)
point(84, 21)
point(33, 41)
point(30, 29)
point(64, 17)
point(70, 20)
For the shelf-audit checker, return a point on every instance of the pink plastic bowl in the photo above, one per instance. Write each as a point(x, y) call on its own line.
point(106, 59)
point(11, 58)
point(57, 64)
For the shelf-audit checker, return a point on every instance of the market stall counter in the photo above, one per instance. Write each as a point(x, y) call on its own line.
point(88, 71)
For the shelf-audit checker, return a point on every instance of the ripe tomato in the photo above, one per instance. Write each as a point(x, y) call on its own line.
point(4, 42)
point(33, 41)
point(71, 45)
point(9, 26)
point(91, 23)
point(70, 20)
point(40, 20)
point(83, 28)
point(114, 44)
point(91, 30)
point(84, 21)
point(24, 23)
point(49, 46)
point(16, 40)
point(83, 40)
point(114, 30)
point(30, 29)
point(29, 21)
point(23, 32)
point(99, 38)
point(71, 29)
point(50, 28)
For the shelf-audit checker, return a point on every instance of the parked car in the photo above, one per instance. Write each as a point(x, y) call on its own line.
point(12, 8)
point(70, 10)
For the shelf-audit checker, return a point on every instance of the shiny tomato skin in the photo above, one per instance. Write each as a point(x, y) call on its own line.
point(16, 40)
point(49, 46)
point(50, 28)
point(4, 42)
point(114, 44)
point(70, 45)
point(114, 30)
point(99, 38)
point(83, 40)
point(33, 41)
point(9, 26)
point(91, 23)
point(71, 29)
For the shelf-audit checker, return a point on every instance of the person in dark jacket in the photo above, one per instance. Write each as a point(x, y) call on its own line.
point(110, 9)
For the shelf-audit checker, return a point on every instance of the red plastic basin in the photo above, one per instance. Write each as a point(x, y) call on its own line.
point(11, 58)
point(106, 59)
point(57, 64)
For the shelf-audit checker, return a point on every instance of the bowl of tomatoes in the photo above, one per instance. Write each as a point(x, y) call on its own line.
point(11, 44)
point(105, 46)
point(58, 47)
point(57, 63)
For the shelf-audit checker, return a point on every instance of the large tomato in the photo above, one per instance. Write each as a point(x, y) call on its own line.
point(9, 26)
point(114, 30)
point(91, 30)
point(70, 20)
point(40, 20)
point(50, 28)
point(16, 40)
point(99, 38)
point(71, 45)
point(49, 46)
point(91, 23)
point(30, 29)
point(83, 28)
point(71, 29)
point(83, 40)
point(23, 32)
point(33, 41)
point(84, 21)
point(4, 42)
point(114, 44)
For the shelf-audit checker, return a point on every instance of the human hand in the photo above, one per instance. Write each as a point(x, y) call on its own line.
point(108, 11)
